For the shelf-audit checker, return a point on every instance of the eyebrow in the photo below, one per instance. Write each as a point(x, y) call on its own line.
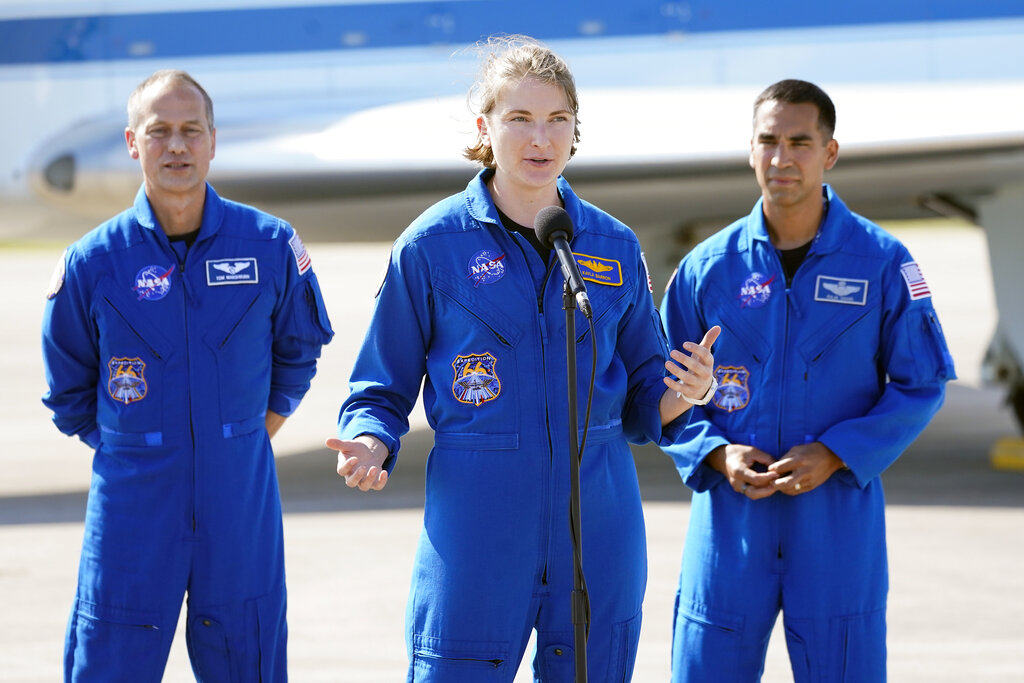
point(799, 137)
point(527, 111)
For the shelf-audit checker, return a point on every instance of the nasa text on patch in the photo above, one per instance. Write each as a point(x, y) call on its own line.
point(841, 290)
point(604, 271)
point(232, 271)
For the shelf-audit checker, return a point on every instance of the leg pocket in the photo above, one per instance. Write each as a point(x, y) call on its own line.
point(706, 644)
point(115, 644)
point(842, 649)
point(622, 658)
point(437, 660)
point(208, 649)
point(864, 648)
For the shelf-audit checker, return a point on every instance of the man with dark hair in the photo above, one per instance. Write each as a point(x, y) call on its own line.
point(830, 363)
point(177, 337)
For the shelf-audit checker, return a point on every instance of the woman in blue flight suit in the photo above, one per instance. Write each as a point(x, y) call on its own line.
point(472, 302)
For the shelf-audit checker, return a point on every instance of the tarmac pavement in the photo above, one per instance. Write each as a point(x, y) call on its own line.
point(956, 525)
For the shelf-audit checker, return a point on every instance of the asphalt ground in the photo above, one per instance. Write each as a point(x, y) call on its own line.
point(956, 525)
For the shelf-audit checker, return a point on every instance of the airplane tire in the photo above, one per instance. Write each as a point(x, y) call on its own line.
point(1017, 401)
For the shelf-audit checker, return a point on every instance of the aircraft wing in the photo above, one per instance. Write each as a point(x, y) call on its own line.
point(659, 159)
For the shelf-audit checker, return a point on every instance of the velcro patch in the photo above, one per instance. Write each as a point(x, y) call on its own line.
point(604, 271)
point(302, 260)
point(916, 285)
point(841, 290)
point(232, 271)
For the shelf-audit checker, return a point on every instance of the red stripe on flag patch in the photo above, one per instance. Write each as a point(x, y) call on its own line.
point(916, 284)
point(302, 260)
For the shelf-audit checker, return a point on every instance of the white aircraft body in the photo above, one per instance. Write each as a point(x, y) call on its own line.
point(348, 118)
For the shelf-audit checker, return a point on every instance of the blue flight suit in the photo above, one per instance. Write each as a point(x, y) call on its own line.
point(852, 355)
point(474, 310)
point(166, 361)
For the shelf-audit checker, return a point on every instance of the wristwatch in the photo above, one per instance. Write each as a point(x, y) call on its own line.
point(704, 400)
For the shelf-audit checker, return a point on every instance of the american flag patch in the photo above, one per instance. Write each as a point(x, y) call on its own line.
point(301, 257)
point(916, 285)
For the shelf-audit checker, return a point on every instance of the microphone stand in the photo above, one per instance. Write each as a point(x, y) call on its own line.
point(580, 602)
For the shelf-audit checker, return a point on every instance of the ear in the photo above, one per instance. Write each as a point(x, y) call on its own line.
point(831, 154)
point(750, 157)
point(213, 142)
point(129, 140)
point(481, 129)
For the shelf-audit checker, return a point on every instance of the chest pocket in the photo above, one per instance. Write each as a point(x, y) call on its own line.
point(609, 305)
point(741, 342)
point(468, 311)
point(240, 342)
point(473, 362)
point(134, 358)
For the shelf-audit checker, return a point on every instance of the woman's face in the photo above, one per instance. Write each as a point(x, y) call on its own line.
point(530, 131)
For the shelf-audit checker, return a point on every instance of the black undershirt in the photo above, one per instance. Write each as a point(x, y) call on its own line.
point(529, 234)
point(188, 238)
point(791, 260)
point(181, 243)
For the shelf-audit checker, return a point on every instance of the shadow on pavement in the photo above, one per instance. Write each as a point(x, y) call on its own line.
point(947, 465)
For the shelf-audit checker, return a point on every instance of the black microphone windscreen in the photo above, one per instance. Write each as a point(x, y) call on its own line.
point(551, 220)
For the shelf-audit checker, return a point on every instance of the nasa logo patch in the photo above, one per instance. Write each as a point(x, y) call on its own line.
point(755, 291)
point(733, 391)
point(153, 282)
point(476, 380)
point(126, 382)
point(486, 267)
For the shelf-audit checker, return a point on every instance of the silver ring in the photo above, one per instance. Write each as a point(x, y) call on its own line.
point(796, 486)
point(744, 487)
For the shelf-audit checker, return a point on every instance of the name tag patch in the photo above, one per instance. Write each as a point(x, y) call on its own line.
point(841, 290)
point(232, 271)
point(604, 271)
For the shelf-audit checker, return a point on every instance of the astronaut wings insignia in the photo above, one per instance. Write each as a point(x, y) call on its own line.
point(232, 271)
point(841, 290)
point(231, 268)
point(475, 380)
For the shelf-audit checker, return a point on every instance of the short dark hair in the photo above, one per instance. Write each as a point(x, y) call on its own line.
point(175, 76)
point(795, 91)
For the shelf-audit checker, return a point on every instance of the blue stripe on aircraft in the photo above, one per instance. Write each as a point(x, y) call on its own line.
point(409, 24)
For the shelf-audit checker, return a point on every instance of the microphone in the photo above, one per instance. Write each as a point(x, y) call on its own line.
point(554, 230)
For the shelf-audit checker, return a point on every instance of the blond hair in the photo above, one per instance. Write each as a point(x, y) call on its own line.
point(510, 59)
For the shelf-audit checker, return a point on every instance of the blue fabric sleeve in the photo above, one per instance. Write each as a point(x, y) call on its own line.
point(71, 354)
point(391, 363)
point(301, 329)
point(918, 365)
point(700, 436)
point(641, 345)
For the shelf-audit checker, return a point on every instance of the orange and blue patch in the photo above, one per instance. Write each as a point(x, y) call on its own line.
point(126, 382)
point(476, 379)
point(733, 388)
point(605, 271)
